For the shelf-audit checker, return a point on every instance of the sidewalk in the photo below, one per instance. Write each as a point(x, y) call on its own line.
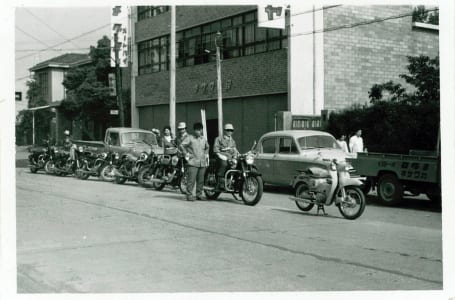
point(22, 156)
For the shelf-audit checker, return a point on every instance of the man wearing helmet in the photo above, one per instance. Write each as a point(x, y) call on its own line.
point(68, 144)
point(224, 148)
point(181, 133)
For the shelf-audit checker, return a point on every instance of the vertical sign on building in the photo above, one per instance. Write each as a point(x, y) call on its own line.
point(119, 26)
point(271, 16)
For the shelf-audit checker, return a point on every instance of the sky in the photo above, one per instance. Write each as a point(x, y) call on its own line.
point(38, 28)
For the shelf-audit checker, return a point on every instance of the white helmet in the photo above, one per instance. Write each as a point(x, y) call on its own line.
point(228, 126)
point(181, 125)
point(66, 132)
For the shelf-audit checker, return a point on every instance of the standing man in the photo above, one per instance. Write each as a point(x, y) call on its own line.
point(68, 144)
point(224, 148)
point(181, 133)
point(196, 149)
point(356, 142)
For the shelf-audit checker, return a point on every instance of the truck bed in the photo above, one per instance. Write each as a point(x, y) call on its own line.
point(406, 167)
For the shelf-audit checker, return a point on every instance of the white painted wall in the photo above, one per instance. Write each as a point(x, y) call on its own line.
point(58, 90)
point(302, 88)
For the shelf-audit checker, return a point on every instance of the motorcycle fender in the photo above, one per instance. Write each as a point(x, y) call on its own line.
point(253, 173)
point(353, 182)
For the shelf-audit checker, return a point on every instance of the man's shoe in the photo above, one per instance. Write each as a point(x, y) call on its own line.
point(189, 198)
point(199, 197)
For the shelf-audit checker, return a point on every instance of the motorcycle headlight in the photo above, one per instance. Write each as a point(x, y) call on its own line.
point(103, 155)
point(233, 162)
point(117, 156)
point(143, 156)
point(333, 166)
point(81, 149)
point(249, 159)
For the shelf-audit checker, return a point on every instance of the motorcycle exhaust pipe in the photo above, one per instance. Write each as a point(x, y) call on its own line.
point(155, 180)
point(301, 200)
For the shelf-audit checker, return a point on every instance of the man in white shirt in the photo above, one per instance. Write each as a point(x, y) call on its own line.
point(356, 142)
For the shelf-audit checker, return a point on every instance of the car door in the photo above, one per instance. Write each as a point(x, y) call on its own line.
point(113, 141)
point(265, 157)
point(287, 161)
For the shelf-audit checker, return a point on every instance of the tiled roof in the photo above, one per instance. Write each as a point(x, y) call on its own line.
point(65, 60)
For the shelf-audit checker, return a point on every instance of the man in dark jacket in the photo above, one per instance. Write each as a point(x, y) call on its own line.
point(224, 148)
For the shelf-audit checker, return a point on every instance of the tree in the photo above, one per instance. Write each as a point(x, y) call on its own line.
point(423, 15)
point(24, 119)
point(398, 119)
point(88, 96)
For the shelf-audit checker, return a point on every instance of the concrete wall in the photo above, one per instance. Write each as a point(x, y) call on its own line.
point(251, 116)
point(357, 58)
point(264, 73)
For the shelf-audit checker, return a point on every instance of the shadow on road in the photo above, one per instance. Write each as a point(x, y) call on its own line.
point(407, 203)
point(310, 214)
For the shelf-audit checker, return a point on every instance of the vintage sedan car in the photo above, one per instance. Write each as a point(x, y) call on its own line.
point(281, 153)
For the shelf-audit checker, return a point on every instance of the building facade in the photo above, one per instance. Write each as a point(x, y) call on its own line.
point(336, 54)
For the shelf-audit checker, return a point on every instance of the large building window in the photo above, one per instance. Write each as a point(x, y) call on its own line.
point(43, 82)
point(153, 55)
point(146, 12)
point(240, 36)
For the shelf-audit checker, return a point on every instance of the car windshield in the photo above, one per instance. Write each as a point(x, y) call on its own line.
point(318, 141)
point(139, 137)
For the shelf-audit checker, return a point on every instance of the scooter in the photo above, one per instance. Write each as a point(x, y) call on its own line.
point(326, 186)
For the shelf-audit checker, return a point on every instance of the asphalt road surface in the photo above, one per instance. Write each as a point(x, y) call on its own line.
point(92, 236)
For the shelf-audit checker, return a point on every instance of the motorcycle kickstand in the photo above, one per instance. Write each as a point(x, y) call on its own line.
point(235, 197)
point(321, 207)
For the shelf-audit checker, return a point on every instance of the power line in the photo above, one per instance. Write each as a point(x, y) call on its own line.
point(47, 25)
point(31, 36)
point(64, 42)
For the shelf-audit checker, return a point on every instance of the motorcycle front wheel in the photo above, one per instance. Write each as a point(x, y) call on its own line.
point(144, 176)
point(106, 173)
point(353, 205)
point(48, 167)
point(81, 174)
point(303, 206)
point(183, 183)
point(252, 189)
point(158, 174)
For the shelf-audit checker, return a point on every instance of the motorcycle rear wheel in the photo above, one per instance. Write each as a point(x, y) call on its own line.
point(33, 169)
point(252, 189)
point(81, 174)
point(356, 199)
point(303, 206)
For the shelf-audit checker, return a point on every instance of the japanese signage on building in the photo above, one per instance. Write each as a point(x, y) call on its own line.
point(119, 29)
point(271, 16)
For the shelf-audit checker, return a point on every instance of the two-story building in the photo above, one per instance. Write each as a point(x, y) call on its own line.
point(50, 75)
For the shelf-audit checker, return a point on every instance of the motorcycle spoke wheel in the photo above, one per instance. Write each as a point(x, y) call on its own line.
point(107, 173)
point(303, 206)
point(158, 174)
point(183, 183)
point(252, 189)
point(353, 205)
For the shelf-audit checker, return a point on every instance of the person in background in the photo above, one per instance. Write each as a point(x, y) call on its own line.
point(167, 140)
point(342, 142)
point(195, 149)
point(356, 142)
point(224, 148)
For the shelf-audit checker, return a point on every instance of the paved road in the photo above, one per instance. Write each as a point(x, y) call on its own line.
point(92, 236)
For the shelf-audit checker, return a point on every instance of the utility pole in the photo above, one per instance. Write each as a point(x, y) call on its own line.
point(33, 127)
point(118, 80)
point(219, 86)
point(172, 72)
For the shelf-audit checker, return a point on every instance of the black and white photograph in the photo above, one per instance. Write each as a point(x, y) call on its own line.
point(228, 149)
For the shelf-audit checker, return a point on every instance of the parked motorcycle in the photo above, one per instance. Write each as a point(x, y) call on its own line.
point(169, 169)
point(147, 169)
point(62, 164)
point(97, 164)
point(241, 177)
point(128, 167)
point(39, 155)
point(326, 186)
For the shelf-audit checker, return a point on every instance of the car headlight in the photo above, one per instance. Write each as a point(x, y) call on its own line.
point(249, 159)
